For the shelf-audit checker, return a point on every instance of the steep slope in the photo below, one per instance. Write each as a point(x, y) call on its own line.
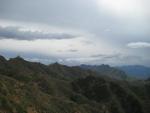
point(114, 96)
point(29, 87)
point(3, 65)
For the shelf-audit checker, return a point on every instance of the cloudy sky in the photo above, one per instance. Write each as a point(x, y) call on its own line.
point(73, 32)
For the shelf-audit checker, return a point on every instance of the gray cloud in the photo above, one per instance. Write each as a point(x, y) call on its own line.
point(15, 33)
point(87, 42)
point(97, 59)
point(106, 56)
point(69, 50)
point(72, 50)
point(111, 59)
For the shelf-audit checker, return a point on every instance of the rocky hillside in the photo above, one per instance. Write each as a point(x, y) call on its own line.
point(30, 87)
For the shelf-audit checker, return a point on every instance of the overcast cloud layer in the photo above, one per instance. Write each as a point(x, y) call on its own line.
point(116, 32)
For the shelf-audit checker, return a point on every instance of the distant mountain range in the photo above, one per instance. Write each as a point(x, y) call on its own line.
point(137, 71)
point(106, 70)
point(32, 87)
point(121, 72)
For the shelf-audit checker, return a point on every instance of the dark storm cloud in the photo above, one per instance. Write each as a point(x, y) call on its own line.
point(15, 33)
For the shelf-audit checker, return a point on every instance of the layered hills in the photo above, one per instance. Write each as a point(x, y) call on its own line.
point(31, 87)
point(138, 71)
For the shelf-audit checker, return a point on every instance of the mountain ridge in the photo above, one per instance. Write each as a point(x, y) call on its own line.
point(106, 70)
point(31, 87)
point(138, 71)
